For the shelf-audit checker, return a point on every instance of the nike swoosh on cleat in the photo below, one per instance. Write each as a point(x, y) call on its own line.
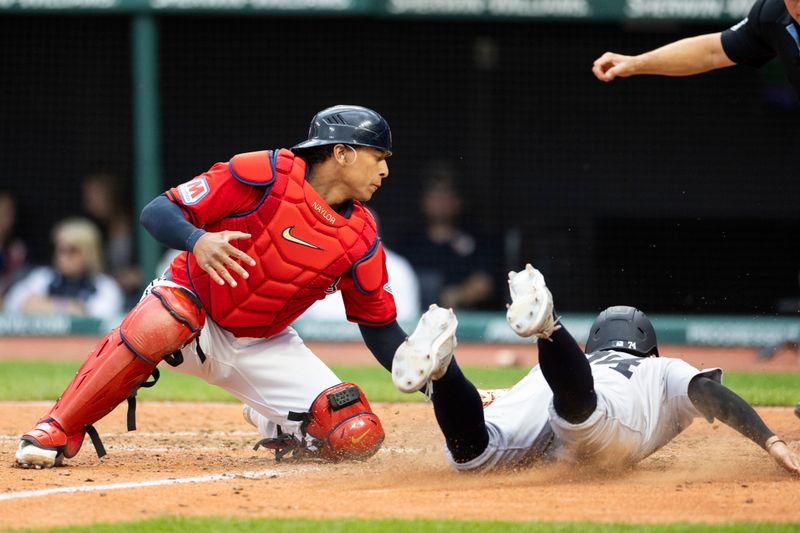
point(287, 234)
point(356, 440)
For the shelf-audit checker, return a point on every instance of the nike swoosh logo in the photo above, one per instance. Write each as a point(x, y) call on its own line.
point(287, 234)
point(356, 440)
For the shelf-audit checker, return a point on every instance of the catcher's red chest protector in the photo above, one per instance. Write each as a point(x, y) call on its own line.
point(301, 246)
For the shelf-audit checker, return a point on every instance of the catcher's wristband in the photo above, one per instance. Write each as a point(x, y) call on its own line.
point(772, 441)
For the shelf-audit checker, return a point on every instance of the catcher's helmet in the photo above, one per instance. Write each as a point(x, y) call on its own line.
point(348, 124)
point(623, 329)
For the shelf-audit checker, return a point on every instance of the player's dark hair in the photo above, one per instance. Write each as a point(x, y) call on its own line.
point(315, 154)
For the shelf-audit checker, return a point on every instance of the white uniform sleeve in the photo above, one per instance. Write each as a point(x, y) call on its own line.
point(678, 374)
point(34, 283)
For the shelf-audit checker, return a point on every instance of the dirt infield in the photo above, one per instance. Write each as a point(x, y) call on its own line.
point(708, 474)
point(192, 459)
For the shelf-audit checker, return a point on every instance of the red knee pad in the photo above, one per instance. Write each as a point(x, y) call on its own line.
point(162, 323)
point(342, 420)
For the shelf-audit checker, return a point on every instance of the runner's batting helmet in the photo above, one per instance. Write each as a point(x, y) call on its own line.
point(623, 329)
point(348, 124)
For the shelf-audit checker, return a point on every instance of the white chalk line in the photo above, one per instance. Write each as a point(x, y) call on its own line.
point(162, 449)
point(251, 474)
point(163, 434)
point(250, 434)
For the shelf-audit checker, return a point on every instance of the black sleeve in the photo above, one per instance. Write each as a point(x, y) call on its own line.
point(745, 42)
point(383, 341)
point(715, 400)
point(165, 221)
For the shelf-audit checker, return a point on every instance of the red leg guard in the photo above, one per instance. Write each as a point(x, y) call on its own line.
point(342, 420)
point(162, 323)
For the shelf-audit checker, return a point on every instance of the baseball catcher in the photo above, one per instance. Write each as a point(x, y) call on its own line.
point(264, 235)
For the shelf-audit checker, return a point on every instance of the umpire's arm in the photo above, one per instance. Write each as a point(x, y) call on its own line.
point(715, 400)
point(686, 57)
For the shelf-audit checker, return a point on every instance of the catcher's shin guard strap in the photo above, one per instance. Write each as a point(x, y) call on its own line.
point(174, 359)
point(132, 399)
point(96, 442)
point(294, 416)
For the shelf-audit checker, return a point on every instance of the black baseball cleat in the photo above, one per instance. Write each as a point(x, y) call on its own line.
point(797, 410)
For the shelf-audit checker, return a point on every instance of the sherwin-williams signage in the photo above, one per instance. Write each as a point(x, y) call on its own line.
point(601, 10)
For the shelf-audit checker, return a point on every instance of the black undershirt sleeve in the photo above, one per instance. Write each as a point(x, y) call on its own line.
point(383, 341)
point(166, 223)
point(715, 400)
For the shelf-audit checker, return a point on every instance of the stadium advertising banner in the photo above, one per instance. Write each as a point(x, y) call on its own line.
point(601, 10)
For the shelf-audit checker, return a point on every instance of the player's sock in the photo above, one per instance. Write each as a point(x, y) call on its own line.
point(459, 412)
point(569, 375)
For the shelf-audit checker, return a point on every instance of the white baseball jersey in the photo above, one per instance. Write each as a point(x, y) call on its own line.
point(642, 404)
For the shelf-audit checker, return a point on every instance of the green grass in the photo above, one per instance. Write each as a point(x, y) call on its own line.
point(209, 525)
point(764, 388)
point(41, 380)
point(38, 380)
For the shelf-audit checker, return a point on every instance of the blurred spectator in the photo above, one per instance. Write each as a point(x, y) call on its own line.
point(12, 249)
point(402, 278)
point(455, 268)
point(74, 285)
point(103, 203)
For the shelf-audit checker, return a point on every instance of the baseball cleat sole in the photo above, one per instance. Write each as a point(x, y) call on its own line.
point(531, 310)
point(426, 354)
